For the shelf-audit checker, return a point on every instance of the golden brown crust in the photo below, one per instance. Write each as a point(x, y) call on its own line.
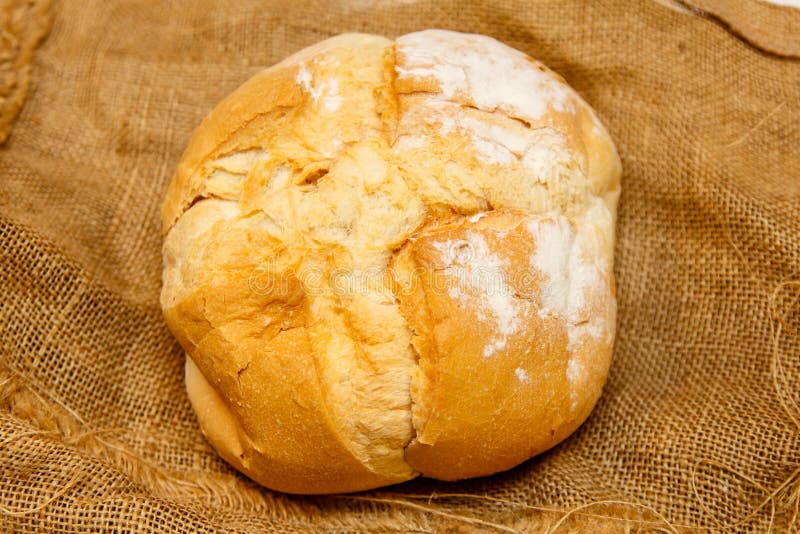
point(495, 387)
point(268, 414)
point(272, 89)
point(301, 452)
point(379, 265)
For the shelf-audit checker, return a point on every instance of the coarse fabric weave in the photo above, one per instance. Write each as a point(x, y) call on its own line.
point(698, 426)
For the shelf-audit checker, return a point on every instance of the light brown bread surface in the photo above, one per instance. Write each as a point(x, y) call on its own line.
point(387, 259)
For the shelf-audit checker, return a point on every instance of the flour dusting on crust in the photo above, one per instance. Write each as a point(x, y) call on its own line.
point(483, 70)
point(522, 375)
point(326, 91)
point(477, 270)
point(574, 272)
point(477, 75)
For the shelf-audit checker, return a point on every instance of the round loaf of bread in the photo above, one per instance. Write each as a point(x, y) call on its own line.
point(387, 259)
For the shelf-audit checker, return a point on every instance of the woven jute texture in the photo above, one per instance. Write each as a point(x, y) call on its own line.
point(699, 424)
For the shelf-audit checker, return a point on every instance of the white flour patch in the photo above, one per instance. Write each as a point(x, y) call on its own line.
point(544, 158)
point(595, 329)
point(522, 376)
point(585, 278)
point(487, 72)
point(554, 240)
point(324, 93)
point(494, 78)
point(572, 270)
point(475, 268)
point(331, 99)
point(304, 79)
point(574, 370)
point(575, 374)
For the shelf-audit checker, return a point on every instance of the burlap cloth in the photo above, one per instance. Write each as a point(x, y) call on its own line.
point(698, 426)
